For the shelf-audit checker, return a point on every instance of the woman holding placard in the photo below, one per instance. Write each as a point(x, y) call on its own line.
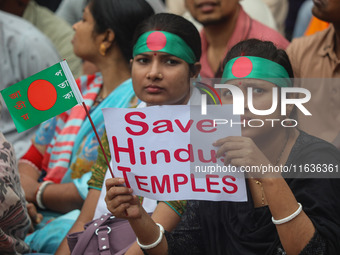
point(285, 213)
point(159, 77)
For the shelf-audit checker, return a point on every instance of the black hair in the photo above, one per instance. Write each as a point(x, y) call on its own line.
point(263, 49)
point(173, 24)
point(122, 17)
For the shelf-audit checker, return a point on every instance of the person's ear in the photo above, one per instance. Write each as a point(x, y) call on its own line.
point(110, 35)
point(195, 70)
point(107, 41)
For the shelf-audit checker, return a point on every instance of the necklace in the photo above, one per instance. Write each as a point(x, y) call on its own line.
point(277, 161)
point(262, 192)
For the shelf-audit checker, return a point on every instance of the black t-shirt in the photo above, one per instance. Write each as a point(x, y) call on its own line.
point(237, 228)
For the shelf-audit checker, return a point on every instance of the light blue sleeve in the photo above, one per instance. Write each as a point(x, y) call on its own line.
point(81, 184)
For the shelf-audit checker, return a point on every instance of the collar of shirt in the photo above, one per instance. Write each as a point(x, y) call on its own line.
point(327, 45)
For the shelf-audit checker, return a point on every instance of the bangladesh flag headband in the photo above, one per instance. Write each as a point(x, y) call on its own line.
point(164, 42)
point(256, 68)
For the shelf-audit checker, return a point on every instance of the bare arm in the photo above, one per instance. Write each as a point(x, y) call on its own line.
point(86, 215)
point(62, 197)
point(29, 180)
point(164, 215)
point(29, 173)
point(295, 234)
point(57, 197)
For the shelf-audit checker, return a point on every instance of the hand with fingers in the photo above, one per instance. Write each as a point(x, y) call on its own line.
point(36, 217)
point(120, 201)
point(240, 151)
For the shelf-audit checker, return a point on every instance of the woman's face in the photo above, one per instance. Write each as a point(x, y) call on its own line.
point(160, 78)
point(262, 100)
point(85, 42)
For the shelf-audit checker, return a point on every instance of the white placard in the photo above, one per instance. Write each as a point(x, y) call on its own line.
point(166, 153)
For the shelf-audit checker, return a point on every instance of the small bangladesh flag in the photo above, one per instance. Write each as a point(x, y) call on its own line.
point(42, 96)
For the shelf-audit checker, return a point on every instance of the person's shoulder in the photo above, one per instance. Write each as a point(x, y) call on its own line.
point(314, 147)
point(11, 24)
point(26, 41)
point(265, 33)
point(88, 81)
point(308, 140)
point(306, 44)
point(23, 33)
point(47, 21)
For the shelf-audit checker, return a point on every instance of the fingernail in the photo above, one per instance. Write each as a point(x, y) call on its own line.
point(121, 180)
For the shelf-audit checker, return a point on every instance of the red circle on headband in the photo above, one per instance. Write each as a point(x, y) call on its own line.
point(156, 41)
point(42, 95)
point(242, 67)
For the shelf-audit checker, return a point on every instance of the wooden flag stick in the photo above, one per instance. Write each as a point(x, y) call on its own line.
point(100, 144)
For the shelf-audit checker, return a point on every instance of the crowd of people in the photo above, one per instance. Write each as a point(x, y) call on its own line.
point(54, 178)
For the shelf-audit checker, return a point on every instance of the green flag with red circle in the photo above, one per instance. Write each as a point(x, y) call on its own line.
point(42, 96)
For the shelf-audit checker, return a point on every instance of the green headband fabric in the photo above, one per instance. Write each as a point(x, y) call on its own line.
point(164, 42)
point(256, 68)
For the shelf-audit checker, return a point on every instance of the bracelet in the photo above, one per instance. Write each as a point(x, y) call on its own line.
point(40, 191)
point(153, 245)
point(288, 218)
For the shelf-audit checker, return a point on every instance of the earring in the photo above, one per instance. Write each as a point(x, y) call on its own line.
point(102, 50)
point(160, 76)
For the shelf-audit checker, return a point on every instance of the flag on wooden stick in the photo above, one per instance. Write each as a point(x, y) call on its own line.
point(42, 96)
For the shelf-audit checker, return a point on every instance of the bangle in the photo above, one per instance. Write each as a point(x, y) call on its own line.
point(288, 218)
point(40, 191)
point(153, 245)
